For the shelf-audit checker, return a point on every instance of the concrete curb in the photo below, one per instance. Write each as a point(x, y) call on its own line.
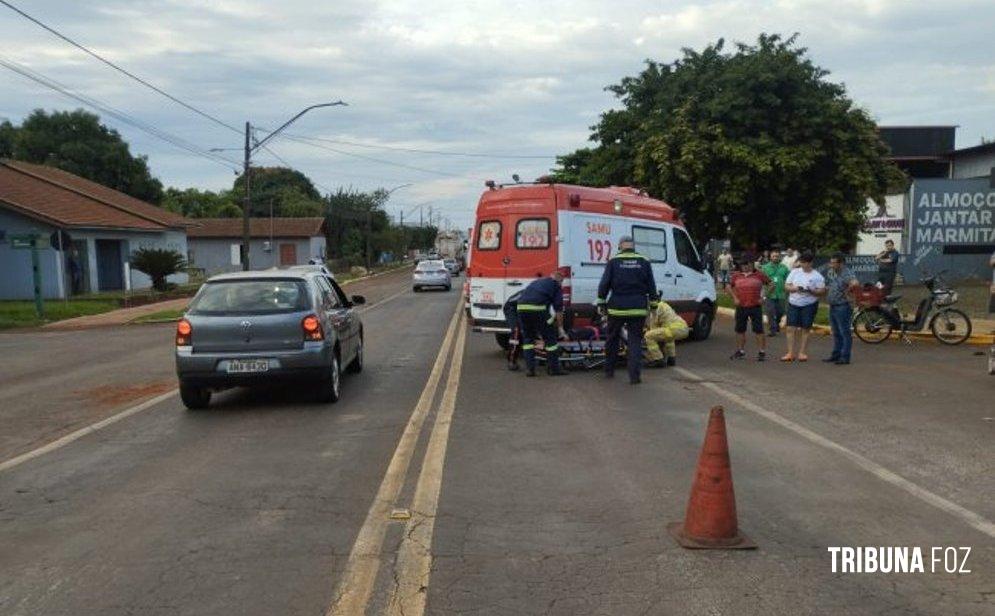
point(825, 330)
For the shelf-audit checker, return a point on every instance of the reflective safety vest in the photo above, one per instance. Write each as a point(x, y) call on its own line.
point(540, 295)
point(627, 285)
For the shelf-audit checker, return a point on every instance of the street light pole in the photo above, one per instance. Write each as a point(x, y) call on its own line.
point(247, 202)
point(247, 173)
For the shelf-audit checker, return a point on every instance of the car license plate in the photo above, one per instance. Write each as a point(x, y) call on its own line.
point(247, 365)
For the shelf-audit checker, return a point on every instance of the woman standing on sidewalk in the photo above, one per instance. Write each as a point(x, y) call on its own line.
point(804, 286)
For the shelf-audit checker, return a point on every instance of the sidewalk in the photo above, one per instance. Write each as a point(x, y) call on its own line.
point(117, 317)
point(982, 330)
point(124, 316)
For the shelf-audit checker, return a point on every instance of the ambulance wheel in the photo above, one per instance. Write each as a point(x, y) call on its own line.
point(702, 326)
point(503, 340)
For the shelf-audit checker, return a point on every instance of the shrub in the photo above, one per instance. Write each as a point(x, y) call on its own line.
point(157, 264)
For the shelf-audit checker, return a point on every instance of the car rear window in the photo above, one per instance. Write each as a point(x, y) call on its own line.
point(428, 266)
point(251, 297)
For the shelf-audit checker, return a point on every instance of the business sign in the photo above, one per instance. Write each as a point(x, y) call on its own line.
point(887, 216)
point(26, 241)
point(952, 226)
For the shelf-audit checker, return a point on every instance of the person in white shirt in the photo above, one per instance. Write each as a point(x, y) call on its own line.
point(790, 258)
point(804, 286)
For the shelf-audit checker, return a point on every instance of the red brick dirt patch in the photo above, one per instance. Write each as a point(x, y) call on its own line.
point(119, 395)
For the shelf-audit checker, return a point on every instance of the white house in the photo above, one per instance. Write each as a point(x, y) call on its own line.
point(214, 244)
point(88, 232)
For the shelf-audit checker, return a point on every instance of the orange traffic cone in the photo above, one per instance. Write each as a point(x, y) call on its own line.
point(710, 522)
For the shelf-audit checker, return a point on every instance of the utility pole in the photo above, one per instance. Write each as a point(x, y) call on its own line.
point(247, 172)
point(246, 167)
point(369, 231)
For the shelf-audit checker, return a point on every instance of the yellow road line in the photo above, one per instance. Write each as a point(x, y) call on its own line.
point(973, 519)
point(414, 557)
point(354, 589)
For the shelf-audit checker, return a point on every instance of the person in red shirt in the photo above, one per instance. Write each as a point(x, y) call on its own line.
point(747, 289)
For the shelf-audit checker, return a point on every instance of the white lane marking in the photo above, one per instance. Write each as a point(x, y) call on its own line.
point(414, 557)
point(72, 436)
point(356, 586)
point(65, 440)
point(971, 518)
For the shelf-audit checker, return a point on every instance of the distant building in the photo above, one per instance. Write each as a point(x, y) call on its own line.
point(214, 244)
point(98, 228)
point(974, 162)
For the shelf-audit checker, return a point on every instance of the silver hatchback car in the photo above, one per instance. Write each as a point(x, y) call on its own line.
point(252, 328)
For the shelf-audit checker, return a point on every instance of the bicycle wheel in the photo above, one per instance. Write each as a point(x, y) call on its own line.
point(950, 326)
point(871, 325)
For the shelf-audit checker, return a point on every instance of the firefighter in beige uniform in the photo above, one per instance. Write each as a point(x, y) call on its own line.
point(664, 328)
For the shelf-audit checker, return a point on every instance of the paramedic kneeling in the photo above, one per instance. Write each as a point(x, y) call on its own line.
point(534, 318)
point(664, 328)
point(626, 291)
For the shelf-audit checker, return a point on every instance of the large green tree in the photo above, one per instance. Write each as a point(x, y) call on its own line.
point(194, 203)
point(281, 188)
point(756, 139)
point(7, 133)
point(76, 141)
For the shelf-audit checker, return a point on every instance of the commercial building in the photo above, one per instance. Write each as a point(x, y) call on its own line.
point(87, 233)
point(214, 244)
point(944, 218)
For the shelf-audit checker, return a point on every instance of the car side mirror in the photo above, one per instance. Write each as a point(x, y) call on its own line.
point(358, 300)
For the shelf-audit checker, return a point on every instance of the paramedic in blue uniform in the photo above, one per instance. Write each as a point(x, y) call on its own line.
point(626, 293)
point(535, 321)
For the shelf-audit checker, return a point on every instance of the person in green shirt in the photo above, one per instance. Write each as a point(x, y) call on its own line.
point(778, 273)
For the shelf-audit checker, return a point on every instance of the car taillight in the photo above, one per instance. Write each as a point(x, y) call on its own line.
point(312, 328)
point(566, 272)
point(184, 332)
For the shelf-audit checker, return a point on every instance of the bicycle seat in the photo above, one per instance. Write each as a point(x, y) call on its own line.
point(891, 299)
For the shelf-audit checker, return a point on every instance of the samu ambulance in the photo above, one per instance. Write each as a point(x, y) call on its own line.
point(524, 231)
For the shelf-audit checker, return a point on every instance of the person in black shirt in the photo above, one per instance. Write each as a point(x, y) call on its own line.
point(887, 266)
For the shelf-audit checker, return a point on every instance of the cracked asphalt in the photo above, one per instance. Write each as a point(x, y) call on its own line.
point(555, 493)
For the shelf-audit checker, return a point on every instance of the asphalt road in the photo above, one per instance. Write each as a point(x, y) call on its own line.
point(442, 483)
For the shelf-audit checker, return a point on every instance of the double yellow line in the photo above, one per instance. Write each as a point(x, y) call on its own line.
point(414, 559)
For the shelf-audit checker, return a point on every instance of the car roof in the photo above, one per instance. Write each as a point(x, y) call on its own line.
point(263, 275)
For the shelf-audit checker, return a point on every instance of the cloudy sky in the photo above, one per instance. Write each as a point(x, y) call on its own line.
point(491, 78)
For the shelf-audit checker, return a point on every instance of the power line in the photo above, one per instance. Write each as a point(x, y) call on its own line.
point(120, 69)
point(308, 141)
point(421, 151)
point(289, 166)
point(116, 113)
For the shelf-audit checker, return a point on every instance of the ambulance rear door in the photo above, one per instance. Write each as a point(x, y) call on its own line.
point(487, 284)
